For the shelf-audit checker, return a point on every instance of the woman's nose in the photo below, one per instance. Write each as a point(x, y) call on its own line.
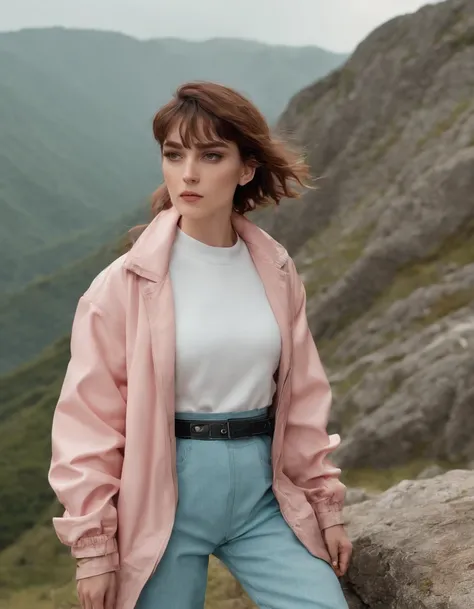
point(191, 175)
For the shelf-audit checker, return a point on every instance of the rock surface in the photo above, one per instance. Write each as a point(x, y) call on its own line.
point(413, 545)
point(430, 472)
point(357, 495)
point(386, 242)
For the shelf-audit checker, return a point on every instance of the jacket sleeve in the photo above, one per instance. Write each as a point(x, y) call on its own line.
point(88, 437)
point(307, 442)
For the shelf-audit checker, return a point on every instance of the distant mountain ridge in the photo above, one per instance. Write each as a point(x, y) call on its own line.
point(76, 148)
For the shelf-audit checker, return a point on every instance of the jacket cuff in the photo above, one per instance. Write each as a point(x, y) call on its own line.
point(90, 567)
point(329, 514)
point(88, 547)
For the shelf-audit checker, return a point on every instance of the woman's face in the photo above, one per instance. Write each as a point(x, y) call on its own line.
point(201, 180)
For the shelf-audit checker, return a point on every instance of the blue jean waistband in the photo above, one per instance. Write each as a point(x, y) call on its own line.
point(223, 416)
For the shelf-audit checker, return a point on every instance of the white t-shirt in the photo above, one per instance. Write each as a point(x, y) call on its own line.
point(228, 341)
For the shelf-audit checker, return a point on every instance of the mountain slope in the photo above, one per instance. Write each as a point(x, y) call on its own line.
point(64, 162)
point(55, 257)
point(28, 399)
point(33, 317)
point(388, 253)
point(76, 147)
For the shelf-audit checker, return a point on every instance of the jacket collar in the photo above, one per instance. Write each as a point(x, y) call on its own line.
point(150, 255)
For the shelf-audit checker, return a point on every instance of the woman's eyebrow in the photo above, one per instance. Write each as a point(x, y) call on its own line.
point(216, 144)
point(200, 146)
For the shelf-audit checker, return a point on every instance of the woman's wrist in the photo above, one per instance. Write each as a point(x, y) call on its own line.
point(97, 565)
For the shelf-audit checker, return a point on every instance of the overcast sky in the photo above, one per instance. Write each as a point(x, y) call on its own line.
point(337, 25)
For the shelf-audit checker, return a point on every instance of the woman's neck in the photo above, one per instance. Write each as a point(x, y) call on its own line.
point(217, 232)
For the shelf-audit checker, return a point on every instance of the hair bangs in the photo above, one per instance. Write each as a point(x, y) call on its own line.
point(195, 125)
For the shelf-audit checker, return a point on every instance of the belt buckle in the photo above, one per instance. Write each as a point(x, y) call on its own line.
point(198, 430)
point(224, 430)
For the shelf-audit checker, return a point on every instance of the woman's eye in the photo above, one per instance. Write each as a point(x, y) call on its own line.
point(209, 156)
point(172, 156)
point(213, 156)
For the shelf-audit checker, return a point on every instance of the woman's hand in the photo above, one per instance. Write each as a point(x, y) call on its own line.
point(339, 547)
point(98, 592)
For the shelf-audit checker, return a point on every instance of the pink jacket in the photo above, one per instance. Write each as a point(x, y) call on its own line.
point(113, 442)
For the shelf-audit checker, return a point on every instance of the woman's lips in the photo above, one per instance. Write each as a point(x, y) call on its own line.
point(189, 198)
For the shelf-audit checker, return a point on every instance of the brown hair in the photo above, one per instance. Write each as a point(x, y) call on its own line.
point(206, 109)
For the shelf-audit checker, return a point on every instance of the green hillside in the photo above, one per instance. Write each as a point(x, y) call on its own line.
point(76, 149)
point(61, 254)
point(35, 316)
point(26, 407)
point(64, 161)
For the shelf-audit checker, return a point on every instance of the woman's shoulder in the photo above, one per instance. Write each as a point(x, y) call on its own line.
point(108, 287)
point(273, 248)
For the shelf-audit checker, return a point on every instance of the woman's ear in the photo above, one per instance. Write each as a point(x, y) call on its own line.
point(248, 173)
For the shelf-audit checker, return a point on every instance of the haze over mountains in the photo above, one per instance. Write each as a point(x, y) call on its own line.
point(76, 145)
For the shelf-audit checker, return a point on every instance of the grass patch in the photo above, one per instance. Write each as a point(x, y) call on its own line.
point(42, 597)
point(342, 387)
point(382, 479)
point(464, 40)
point(448, 304)
point(395, 358)
point(383, 146)
point(406, 281)
point(454, 18)
point(445, 124)
point(346, 82)
point(347, 416)
point(36, 558)
point(458, 250)
point(223, 590)
point(38, 572)
point(347, 419)
point(426, 586)
point(343, 252)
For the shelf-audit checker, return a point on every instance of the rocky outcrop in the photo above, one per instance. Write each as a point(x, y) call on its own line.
point(385, 242)
point(385, 245)
point(413, 546)
point(416, 401)
point(357, 495)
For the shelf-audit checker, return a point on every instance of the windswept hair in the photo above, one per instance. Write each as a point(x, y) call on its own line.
point(204, 111)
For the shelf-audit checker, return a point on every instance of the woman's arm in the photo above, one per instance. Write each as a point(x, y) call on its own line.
point(88, 440)
point(307, 443)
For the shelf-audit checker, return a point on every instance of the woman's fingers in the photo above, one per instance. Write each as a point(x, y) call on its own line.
point(85, 601)
point(111, 596)
point(345, 552)
point(98, 592)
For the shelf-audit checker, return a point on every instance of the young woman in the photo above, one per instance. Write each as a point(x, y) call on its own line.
point(193, 369)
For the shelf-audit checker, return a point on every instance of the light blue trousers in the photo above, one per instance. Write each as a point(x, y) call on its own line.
point(226, 507)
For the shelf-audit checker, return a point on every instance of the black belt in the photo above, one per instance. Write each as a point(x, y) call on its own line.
point(229, 429)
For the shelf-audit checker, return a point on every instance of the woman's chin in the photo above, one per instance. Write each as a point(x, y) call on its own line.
point(192, 210)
